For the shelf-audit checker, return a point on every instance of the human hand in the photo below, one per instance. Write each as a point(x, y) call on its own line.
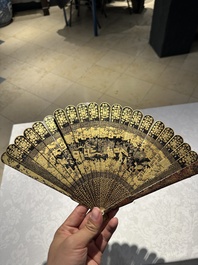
point(82, 238)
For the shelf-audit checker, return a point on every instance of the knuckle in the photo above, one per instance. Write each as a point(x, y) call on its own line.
point(91, 227)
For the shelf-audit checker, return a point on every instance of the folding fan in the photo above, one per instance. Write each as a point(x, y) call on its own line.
point(102, 155)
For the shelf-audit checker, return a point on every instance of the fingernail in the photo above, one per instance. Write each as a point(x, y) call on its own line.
point(95, 213)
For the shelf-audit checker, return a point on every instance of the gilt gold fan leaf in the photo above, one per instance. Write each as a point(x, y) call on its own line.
point(102, 155)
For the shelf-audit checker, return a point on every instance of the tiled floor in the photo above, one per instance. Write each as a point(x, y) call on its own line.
point(44, 65)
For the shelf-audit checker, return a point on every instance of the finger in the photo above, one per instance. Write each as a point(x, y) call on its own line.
point(94, 254)
point(106, 234)
point(112, 213)
point(76, 217)
point(106, 218)
point(82, 238)
point(96, 248)
point(85, 220)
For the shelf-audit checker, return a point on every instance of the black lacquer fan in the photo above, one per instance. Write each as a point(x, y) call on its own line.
point(102, 155)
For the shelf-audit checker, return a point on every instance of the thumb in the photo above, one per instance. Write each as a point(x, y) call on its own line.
point(90, 230)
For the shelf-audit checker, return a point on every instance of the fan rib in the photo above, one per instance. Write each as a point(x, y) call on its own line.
point(102, 155)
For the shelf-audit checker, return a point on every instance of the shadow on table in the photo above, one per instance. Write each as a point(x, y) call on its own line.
point(117, 254)
point(125, 254)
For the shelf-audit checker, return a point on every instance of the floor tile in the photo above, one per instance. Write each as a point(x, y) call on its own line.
point(159, 96)
point(117, 61)
point(50, 87)
point(11, 45)
point(28, 33)
point(1, 171)
point(27, 52)
point(89, 55)
point(25, 108)
point(191, 62)
point(44, 23)
point(72, 68)
point(77, 93)
point(8, 94)
point(195, 92)
point(9, 65)
point(177, 61)
point(129, 89)
point(145, 69)
point(47, 59)
point(67, 48)
point(193, 100)
point(5, 132)
point(99, 78)
point(150, 54)
point(112, 100)
point(13, 28)
point(107, 41)
point(131, 44)
point(26, 75)
point(47, 111)
point(178, 80)
point(47, 39)
point(81, 31)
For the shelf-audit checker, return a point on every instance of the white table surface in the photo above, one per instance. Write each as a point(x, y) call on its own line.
point(159, 226)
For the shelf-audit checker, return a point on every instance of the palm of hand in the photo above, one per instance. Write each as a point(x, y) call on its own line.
point(70, 245)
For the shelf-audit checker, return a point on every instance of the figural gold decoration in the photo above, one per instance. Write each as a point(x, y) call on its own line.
point(102, 155)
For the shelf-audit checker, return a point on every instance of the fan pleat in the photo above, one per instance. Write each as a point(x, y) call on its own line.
point(102, 155)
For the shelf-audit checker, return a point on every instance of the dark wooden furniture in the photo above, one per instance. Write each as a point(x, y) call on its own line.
point(174, 26)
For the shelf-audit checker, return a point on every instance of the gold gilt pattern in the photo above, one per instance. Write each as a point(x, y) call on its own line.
point(102, 155)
